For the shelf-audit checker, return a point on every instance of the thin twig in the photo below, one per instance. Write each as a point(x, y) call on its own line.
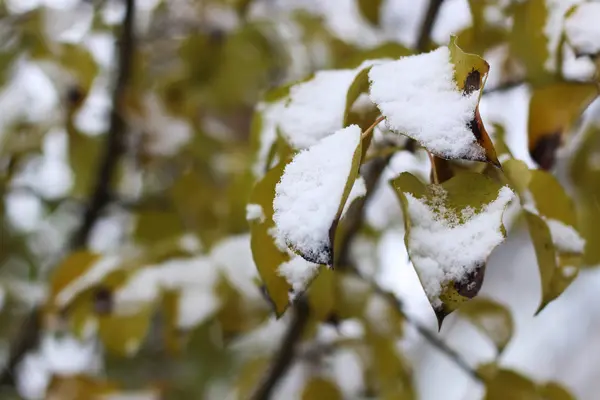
point(426, 333)
point(29, 332)
point(287, 351)
point(428, 23)
point(370, 129)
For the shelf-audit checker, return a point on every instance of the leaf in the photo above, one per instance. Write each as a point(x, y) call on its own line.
point(81, 62)
point(77, 387)
point(70, 269)
point(491, 318)
point(552, 223)
point(387, 372)
point(585, 175)
point(123, 335)
point(554, 391)
point(506, 384)
point(451, 229)
point(321, 389)
point(371, 10)
point(265, 252)
point(423, 103)
point(470, 73)
point(312, 193)
point(528, 42)
point(552, 111)
point(84, 150)
point(359, 85)
point(321, 295)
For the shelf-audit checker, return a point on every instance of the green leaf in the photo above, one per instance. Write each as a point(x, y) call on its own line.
point(440, 220)
point(123, 335)
point(491, 318)
point(265, 252)
point(554, 391)
point(553, 110)
point(359, 85)
point(321, 295)
point(371, 10)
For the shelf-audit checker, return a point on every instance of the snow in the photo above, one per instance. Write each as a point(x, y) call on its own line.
point(316, 107)
point(269, 114)
point(419, 98)
point(445, 249)
point(308, 196)
point(254, 212)
point(553, 29)
point(298, 272)
point(583, 30)
point(565, 238)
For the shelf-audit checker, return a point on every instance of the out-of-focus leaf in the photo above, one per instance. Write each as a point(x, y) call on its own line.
point(153, 226)
point(491, 318)
point(321, 294)
point(123, 335)
point(389, 50)
point(528, 42)
point(387, 373)
point(321, 389)
point(434, 216)
point(552, 223)
point(470, 73)
point(552, 111)
point(250, 375)
point(84, 152)
point(79, 387)
point(506, 384)
point(585, 175)
point(266, 254)
point(77, 59)
point(170, 317)
point(371, 10)
point(554, 391)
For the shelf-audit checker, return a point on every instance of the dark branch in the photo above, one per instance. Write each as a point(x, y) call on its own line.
point(287, 351)
point(428, 23)
point(115, 147)
point(29, 333)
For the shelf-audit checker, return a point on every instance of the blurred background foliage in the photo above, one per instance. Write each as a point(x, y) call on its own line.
point(159, 295)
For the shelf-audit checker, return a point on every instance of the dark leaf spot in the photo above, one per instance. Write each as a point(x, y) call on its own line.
point(472, 82)
point(74, 96)
point(544, 152)
point(475, 127)
point(103, 301)
point(470, 285)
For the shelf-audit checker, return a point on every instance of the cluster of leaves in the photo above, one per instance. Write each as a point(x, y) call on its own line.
point(171, 299)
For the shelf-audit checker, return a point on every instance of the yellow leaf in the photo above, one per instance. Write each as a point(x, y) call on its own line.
point(321, 389)
point(371, 10)
point(79, 387)
point(528, 42)
point(491, 318)
point(321, 294)
point(470, 73)
point(432, 213)
point(554, 391)
point(71, 268)
point(506, 384)
point(552, 111)
point(124, 334)
point(267, 256)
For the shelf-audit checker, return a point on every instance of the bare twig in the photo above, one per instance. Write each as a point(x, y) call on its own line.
point(287, 351)
point(29, 333)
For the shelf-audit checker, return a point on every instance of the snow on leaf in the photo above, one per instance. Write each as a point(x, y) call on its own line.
point(266, 252)
point(491, 318)
point(583, 30)
point(552, 111)
point(451, 229)
point(312, 192)
point(433, 98)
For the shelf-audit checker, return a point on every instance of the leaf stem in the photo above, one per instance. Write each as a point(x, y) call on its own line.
point(370, 129)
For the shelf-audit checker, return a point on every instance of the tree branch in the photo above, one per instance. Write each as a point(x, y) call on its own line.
point(29, 333)
point(428, 23)
point(287, 351)
point(115, 147)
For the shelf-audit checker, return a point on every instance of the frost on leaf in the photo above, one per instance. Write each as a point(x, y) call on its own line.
point(312, 192)
point(451, 229)
point(433, 98)
point(552, 223)
point(583, 30)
